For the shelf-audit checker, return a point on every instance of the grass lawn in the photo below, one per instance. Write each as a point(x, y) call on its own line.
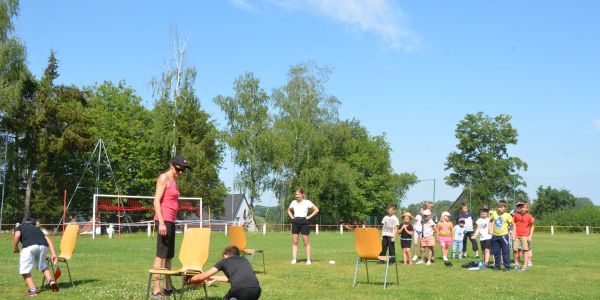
point(565, 266)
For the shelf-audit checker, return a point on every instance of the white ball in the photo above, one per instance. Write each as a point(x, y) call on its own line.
point(332, 262)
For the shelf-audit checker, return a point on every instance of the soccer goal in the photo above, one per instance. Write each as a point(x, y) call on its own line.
point(137, 210)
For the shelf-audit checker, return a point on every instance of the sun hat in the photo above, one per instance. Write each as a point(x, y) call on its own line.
point(427, 212)
point(446, 214)
point(407, 214)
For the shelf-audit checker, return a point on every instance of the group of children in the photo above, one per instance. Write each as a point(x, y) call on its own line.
point(498, 231)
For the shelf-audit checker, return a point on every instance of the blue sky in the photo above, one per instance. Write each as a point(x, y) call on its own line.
point(409, 69)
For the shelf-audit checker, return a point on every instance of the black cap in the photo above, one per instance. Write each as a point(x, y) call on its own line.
point(520, 203)
point(180, 161)
point(461, 220)
point(485, 208)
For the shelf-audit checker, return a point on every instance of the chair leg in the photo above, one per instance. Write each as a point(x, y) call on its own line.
point(263, 257)
point(367, 267)
point(387, 265)
point(148, 288)
point(205, 292)
point(397, 281)
point(69, 271)
point(355, 271)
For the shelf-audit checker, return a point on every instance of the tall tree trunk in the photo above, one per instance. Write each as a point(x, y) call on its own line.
point(26, 209)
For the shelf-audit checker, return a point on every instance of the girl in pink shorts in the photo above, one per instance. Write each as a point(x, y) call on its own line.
point(445, 234)
point(427, 240)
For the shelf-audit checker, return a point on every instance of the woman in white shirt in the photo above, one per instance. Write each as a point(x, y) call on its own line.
point(298, 212)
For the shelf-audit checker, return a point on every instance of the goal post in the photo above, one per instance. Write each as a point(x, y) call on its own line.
point(124, 207)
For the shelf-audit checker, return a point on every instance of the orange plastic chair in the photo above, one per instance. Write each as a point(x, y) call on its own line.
point(368, 247)
point(67, 247)
point(192, 256)
point(237, 237)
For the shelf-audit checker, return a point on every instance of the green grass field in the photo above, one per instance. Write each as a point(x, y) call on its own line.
point(565, 266)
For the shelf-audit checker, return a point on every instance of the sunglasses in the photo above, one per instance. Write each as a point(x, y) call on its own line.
point(179, 169)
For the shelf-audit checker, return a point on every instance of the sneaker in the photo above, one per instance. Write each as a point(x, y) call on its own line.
point(158, 295)
point(308, 262)
point(523, 269)
point(54, 286)
point(293, 261)
point(428, 263)
point(32, 293)
point(477, 256)
point(415, 258)
point(445, 258)
point(168, 292)
point(420, 262)
point(506, 269)
point(517, 267)
point(530, 264)
point(465, 255)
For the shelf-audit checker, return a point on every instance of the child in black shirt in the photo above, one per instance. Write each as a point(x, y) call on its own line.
point(238, 272)
point(35, 247)
point(406, 233)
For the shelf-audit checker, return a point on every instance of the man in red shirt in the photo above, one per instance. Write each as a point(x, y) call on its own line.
point(523, 233)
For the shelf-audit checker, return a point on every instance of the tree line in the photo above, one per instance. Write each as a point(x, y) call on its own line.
point(281, 140)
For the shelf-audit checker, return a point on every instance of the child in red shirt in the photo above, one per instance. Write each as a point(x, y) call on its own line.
point(523, 233)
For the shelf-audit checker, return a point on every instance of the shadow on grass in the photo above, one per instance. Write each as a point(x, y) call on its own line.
point(67, 285)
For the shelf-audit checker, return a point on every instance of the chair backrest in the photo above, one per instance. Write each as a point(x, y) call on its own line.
point(237, 237)
point(194, 248)
point(69, 238)
point(367, 242)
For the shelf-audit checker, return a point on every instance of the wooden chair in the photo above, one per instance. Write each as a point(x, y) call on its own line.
point(67, 247)
point(237, 237)
point(192, 255)
point(368, 247)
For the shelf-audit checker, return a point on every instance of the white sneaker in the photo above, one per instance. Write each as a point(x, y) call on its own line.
point(529, 264)
point(415, 258)
point(419, 262)
point(428, 263)
point(445, 258)
point(308, 262)
point(293, 261)
point(465, 255)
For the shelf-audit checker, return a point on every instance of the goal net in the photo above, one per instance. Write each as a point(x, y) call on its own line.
point(137, 211)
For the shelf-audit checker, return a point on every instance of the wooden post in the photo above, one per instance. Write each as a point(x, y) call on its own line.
point(552, 230)
point(149, 230)
point(264, 229)
point(317, 229)
point(225, 229)
point(587, 230)
point(341, 229)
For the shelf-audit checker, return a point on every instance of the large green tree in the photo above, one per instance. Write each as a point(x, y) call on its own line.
point(550, 200)
point(249, 134)
point(482, 162)
point(181, 127)
point(302, 109)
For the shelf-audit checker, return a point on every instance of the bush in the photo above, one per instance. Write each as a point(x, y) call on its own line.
point(589, 216)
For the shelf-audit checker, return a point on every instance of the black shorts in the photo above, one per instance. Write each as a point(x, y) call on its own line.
point(165, 245)
point(243, 293)
point(300, 225)
point(405, 243)
point(487, 244)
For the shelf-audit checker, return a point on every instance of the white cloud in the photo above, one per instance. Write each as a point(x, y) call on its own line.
point(380, 17)
point(243, 4)
point(596, 124)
